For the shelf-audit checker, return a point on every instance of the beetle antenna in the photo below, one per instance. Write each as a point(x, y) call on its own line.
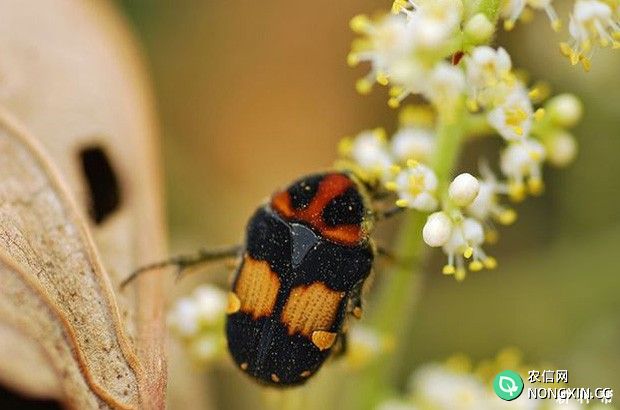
point(183, 262)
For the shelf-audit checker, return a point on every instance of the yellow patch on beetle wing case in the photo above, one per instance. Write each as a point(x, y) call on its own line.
point(310, 308)
point(257, 287)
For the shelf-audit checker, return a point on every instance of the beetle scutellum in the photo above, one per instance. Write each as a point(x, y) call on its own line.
point(306, 256)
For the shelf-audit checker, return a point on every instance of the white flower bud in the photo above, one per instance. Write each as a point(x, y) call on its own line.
point(479, 28)
point(464, 189)
point(561, 149)
point(437, 229)
point(565, 110)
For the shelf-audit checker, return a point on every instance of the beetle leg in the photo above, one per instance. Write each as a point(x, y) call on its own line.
point(355, 302)
point(183, 262)
point(385, 253)
point(388, 213)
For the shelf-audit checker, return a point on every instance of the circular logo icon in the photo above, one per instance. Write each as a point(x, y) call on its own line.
point(508, 385)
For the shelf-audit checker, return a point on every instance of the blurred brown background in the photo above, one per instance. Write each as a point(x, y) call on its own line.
point(254, 94)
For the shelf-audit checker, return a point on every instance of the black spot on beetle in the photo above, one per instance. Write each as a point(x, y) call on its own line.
point(345, 209)
point(304, 190)
point(103, 186)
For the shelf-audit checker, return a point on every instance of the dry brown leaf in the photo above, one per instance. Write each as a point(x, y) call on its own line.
point(71, 72)
point(52, 286)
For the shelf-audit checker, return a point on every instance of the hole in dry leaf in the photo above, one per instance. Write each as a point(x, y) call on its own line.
point(102, 182)
point(10, 400)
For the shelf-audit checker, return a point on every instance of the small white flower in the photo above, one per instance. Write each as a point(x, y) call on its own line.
point(210, 303)
point(522, 161)
point(486, 204)
point(204, 348)
point(561, 148)
point(479, 28)
point(513, 118)
point(463, 189)
point(365, 344)
point(437, 229)
point(415, 185)
point(432, 23)
point(370, 151)
point(184, 317)
point(564, 110)
point(513, 9)
point(413, 143)
point(591, 22)
point(445, 85)
point(487, 66)
point(466, 242)
point(442, 388)
point(386, 41)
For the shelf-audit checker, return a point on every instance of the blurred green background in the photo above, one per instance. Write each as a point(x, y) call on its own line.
point(254, 94)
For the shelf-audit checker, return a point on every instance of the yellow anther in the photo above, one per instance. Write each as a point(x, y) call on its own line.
point(363, 86)
point(412, 163)
point(448, 270)
point(395, 91)
point(534, 93)
point(380, 134)
point(490, 262)
point(391, 186)
point(491, 236)
point(516, 191)
point(383, 79)
point(360, 23)
point(345, 146)
point(507, 217)
point(527, 15)
point(469, 251)
point(518, 130)
point(472, 105)
point(539, 114)
point(535, 186)
point(565, 49)
point(398, 5)
point(556, 24)
point(416, 184)
point(586, 64)
point(402, 203)
point(509, 25)
point(476, 266)
point(460, 274)
point(353, 59)
point(394, 169)
point(393, 102)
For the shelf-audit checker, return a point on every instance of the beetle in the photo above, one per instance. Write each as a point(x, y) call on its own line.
point(306, 257)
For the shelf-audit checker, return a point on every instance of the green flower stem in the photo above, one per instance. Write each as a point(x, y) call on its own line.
point(392, 309)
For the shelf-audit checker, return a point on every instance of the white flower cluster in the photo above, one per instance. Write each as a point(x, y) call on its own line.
point(592, 22)
point(410, 51)
point(198, 320)
point(457, 385)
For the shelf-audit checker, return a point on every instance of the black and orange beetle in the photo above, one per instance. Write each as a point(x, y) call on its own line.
point(306, 256)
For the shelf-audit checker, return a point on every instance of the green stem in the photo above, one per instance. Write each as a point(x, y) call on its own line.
point(393, 306)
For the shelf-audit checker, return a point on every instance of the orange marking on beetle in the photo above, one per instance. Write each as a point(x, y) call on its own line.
point(330, 187)
point(234, 304)
point(275, 378)
point(305, 373)
point(323, 339)
point(310, 308)
point(257, 287)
